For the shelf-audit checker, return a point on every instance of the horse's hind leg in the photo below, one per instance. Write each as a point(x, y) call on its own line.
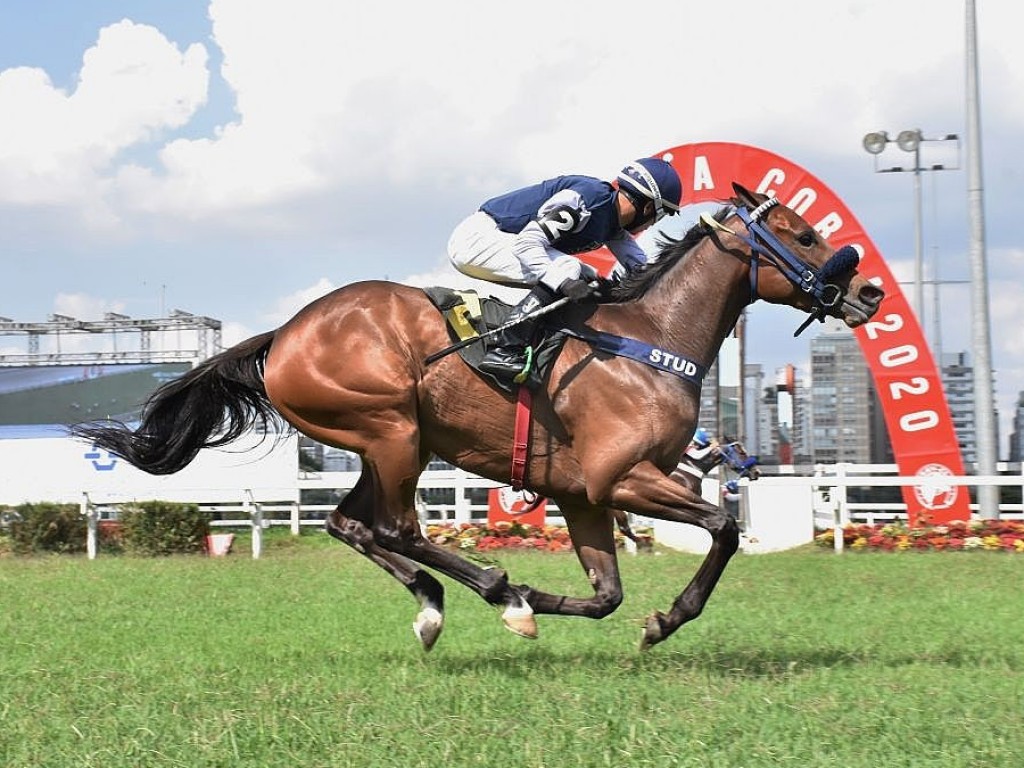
point(351, 523)
point(396, 528)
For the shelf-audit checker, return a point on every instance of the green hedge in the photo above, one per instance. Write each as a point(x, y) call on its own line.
point(151, 528)
point(163, 528)
point(46, 527)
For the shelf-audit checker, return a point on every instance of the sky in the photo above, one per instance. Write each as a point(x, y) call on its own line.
point(239, 158)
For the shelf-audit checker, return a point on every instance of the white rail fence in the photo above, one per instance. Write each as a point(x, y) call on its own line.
point(256, 489)
point(778, 512)
point(832, 506)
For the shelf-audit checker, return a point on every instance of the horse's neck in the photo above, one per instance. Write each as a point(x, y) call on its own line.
point(695, 305)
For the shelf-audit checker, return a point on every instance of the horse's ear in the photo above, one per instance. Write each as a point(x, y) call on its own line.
point(746, 197)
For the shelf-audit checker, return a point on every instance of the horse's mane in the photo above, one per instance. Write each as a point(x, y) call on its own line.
point(670, 250)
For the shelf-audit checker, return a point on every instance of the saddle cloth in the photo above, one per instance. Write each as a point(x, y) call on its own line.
point(467, 314)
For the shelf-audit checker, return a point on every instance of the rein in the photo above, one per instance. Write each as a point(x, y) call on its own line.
point(763, 243)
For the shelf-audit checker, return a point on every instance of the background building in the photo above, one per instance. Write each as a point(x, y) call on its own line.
point(1017, 438)
point(841, 398)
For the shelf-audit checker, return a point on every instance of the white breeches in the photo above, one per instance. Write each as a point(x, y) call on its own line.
point(479, 249)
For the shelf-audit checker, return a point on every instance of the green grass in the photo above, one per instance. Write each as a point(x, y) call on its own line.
point(306, 658)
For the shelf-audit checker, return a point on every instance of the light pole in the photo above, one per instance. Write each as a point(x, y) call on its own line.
point(910, 141)
point(981, 337)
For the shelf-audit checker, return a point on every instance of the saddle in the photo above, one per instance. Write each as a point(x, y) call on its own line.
point(469, 315)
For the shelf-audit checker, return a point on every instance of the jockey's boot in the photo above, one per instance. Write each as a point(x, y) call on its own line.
point(511, 358)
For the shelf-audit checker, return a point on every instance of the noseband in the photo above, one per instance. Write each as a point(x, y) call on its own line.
point(764, 244)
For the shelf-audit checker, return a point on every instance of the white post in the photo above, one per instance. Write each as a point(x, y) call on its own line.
point(463, 513)
point(295, 518)
point(89, 511)
point(256, 524)
point(842, 513)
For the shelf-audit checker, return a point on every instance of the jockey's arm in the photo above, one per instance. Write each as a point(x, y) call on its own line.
point(627, 251)
point(563, 213)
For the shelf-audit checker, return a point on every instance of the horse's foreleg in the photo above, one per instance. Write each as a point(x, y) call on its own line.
point(648, 492)
point(349, 523)
point(594, 541)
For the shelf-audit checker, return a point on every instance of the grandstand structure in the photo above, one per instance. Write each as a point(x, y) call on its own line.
point(114, 327)
point(74, 370)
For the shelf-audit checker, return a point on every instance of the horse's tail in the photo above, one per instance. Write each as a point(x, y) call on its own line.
point(211, 405)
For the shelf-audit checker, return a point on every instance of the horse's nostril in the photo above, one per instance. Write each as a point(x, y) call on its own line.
point(871, 294)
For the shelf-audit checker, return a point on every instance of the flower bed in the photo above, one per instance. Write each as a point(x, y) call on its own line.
point(981, 535)
point(481, 537)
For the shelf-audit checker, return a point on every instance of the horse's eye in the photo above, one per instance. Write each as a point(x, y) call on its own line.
point(806, 239)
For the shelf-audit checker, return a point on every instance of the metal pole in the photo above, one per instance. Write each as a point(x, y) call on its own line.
point(984, 407)
point(936, 317)
point(918, 240)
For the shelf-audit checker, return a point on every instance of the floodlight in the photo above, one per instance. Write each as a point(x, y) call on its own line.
point(909, 141)
point(875, 142)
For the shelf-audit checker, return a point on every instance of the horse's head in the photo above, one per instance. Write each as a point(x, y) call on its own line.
point(803, 270)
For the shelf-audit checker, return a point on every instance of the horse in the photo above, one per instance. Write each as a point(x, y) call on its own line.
point(349, 370)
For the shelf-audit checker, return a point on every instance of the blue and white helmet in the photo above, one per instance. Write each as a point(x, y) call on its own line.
point(651, 178)
point(701, 438)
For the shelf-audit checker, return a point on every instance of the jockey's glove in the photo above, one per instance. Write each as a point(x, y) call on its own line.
point(605, 286)
point(576, 290)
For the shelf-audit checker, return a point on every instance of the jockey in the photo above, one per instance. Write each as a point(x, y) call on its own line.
point(701, 439)
point(702, 451)
point(528, 237)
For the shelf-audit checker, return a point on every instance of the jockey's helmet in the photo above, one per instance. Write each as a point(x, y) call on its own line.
point(701, 438)
point(652, 179)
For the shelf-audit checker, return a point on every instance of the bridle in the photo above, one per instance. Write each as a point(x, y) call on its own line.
point(765, 245)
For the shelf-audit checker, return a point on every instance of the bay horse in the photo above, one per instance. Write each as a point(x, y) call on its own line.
point(349, 370)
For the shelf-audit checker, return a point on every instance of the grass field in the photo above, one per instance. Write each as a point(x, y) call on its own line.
point(306, 658)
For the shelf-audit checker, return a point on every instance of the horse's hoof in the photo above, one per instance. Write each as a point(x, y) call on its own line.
point(653, 632)
point(520, 620)
point(428, 625)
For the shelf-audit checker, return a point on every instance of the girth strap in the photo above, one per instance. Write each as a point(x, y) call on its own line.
point(521, 437)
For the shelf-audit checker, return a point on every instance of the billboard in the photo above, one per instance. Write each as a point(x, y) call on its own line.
point(35, 400)
point(63, 470)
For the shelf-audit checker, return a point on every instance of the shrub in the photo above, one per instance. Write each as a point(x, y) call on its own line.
point(47, 527)
point(156, 528)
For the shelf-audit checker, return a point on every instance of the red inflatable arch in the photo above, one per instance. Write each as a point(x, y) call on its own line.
point(921, 431)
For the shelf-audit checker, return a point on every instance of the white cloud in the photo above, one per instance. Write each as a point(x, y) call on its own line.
point(362, 128)
point(287, 306)
point(62, 147)
point(83, 307)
